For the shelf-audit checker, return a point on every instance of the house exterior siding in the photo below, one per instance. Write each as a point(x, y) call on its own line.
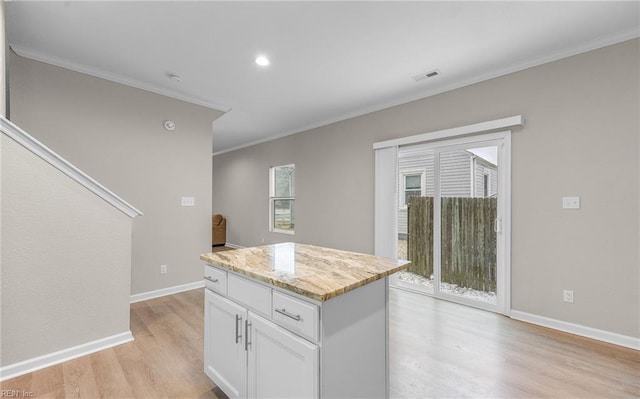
point(461, 175)
point(482, 168)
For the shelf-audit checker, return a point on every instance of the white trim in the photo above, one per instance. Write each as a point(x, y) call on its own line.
point(475, 128)
point(594, 45)
point(280, 231)
point(494, 138)
point(48, 155)
point(385, 221)
point(166, 291)
point(87, 70)
point(507, 220)
point(51, 359)
point(577, 329)
point(437, 224)
point(273, 198)
point(234, 246)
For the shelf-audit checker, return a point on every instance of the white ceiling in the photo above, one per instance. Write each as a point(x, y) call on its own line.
point(329, 60)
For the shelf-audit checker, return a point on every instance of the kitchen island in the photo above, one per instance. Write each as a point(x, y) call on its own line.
point(297, 321)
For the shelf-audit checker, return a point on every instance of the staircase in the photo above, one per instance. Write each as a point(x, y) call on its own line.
point(65, 270)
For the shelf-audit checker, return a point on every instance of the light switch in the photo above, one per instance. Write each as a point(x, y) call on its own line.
point(570, 202)
point(188, 201)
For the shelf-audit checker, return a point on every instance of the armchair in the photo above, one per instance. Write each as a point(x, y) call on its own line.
point(219, 230)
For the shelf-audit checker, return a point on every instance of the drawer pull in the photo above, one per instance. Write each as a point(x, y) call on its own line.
point(284, 312)
point(213, 280)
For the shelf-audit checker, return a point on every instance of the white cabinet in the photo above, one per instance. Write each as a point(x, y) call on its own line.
point(224, 352)
point(281, 365)
point(215, 280)
point(248, 356)
point(265, 342)
point(296, 316)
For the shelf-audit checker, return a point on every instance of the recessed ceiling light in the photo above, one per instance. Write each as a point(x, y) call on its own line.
point(262, 60)
point(169, 125)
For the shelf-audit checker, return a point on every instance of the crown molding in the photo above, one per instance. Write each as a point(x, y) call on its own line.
point(87, 70)
point(583, 48)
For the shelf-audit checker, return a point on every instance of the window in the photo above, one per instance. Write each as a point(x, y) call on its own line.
point(412, 186)
point(485, 184)
point(281, 199)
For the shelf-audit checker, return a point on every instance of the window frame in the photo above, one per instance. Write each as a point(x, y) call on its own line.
point(486, 185)
point(403, 191)
point(273, 198)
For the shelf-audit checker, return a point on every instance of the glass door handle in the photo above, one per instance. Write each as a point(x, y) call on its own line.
point(497, 225)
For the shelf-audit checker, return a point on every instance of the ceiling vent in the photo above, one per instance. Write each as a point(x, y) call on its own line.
point(427, 75)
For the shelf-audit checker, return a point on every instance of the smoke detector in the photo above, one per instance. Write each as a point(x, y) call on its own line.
point(427, 75)
point(175, 77)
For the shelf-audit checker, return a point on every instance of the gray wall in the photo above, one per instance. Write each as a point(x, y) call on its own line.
point(66, 260)
point(114, 133)
point(3, 54)
point(3, 42)
point(580, 138)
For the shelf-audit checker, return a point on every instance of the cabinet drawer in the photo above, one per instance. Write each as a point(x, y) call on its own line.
point(296, 315)
point(215, 280)
point(250, 294)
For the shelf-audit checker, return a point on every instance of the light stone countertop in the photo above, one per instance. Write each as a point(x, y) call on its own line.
point(315, 272)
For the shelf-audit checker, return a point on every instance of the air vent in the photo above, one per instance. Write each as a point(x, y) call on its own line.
point(427, 75)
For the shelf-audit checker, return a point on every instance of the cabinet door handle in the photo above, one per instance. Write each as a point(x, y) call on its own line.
point(238, 319)
point(284, 312)
point(213, 280)
point(247, 326)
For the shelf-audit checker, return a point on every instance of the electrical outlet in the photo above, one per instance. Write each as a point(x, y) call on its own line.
point(188, 201)
point(163, 269)
point(567, 296)
point(570, 202)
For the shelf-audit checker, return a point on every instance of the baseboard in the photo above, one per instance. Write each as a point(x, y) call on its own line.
point(51, 359)
point(166, 291)
point(234, 246)
point(577, 329)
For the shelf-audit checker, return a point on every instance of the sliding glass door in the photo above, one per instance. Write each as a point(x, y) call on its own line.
point(451, 206)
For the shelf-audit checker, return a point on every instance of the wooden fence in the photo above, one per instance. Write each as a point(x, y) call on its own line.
point(468, 242)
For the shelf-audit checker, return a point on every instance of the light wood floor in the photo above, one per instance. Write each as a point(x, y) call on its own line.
point(443, 350)
point(164, 361)
point(437, 349)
